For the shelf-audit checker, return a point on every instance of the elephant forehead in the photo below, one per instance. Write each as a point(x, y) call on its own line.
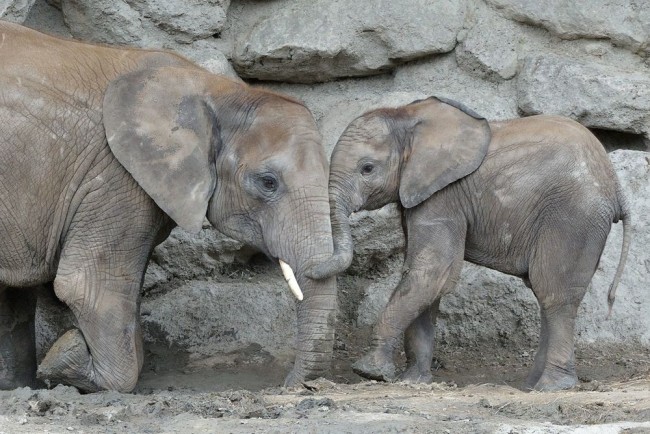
point(308, 162)
point(363, 139)
point(282, 146)
point(366, 129)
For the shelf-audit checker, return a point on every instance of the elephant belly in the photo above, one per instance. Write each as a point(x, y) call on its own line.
point(515, 265)
point(502, 246)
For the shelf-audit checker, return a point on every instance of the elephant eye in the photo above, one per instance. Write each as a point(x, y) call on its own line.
point(269, 183)
point(367, 168)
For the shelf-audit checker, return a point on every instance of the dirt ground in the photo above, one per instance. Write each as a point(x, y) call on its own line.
point(470, 395)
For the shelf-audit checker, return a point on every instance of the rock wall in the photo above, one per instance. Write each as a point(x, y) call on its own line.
point(502, 58)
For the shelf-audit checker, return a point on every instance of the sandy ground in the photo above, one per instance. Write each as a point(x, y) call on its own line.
point(468, 397)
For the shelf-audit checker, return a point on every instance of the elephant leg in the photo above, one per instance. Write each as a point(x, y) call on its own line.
point(433, 262)
point(99, 277)
point(53, 318)
point(559, 367)
point(540, 357)
point(560, 273)
point(419, 342)
point(105, 352)
point(17, 338)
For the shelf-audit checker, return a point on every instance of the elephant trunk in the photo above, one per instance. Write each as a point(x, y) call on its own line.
point(304, 243)
point(342, 237)
point(316, 325)
point(317, 313)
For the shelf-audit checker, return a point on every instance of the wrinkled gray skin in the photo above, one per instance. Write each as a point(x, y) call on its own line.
point(532, 197)
point(103, 152)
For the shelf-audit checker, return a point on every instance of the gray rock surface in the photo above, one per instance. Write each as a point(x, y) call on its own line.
point(144, 22)
point(490, 47)
point(311, 41)
point(15, 10)
point(596, 95)
point(198, 20)
point(206, 318)
point(631, 312)
point(48, 18)
point(207, 53)
point(624, 22)
point(187, 256)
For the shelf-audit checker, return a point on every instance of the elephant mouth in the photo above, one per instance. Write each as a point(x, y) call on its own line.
point(288, 274)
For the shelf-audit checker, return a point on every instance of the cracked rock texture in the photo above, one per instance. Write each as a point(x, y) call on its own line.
point(311, 41)
point(15, 10)
point(207, 295)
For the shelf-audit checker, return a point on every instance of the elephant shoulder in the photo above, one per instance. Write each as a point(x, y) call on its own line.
point(543, 130)
point(151, 59)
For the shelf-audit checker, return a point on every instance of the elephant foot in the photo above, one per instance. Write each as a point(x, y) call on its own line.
point(69, 362)
point(375, 366)
point(294, 378)
point(556, 380)
point(298, 376)
point(415, 375)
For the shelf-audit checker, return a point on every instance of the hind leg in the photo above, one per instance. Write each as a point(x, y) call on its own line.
point(419, 343)
point(17, 342)
point(560, 273)
point(105, 351)
point(540, 357)
point(99, 277)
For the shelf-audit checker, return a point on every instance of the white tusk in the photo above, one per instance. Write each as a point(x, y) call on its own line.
point(287, 272)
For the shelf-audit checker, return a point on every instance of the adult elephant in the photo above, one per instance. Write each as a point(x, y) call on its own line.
point(532, 197)
point(104, 150)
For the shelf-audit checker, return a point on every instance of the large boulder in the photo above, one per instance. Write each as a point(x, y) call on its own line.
point(597, 95)
point(15, 10)
point(624, 22)
point(311, 41)
point(490, 48)
point(630, 319)
point(205, 318)
point(147, 23)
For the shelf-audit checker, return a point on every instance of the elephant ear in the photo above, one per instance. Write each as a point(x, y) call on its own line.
point(160, 128)
point(449, 142)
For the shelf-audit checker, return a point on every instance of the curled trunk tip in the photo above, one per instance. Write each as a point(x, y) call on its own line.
point(343, 245)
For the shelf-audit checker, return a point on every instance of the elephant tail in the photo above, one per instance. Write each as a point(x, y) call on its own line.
point(625, 217)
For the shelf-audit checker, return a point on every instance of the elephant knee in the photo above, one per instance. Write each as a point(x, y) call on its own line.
point(71, 289)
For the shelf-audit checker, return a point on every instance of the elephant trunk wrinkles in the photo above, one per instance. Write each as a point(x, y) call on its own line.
point(342, 236)
point(316, 325)
point(303, 243)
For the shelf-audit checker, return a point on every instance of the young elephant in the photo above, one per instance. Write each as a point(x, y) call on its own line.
point(104, 150)
point(532, 197)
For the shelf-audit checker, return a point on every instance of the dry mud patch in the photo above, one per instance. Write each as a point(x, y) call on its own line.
point(324, 406)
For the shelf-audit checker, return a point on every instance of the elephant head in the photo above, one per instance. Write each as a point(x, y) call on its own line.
point(248, 159)
point(403, 154)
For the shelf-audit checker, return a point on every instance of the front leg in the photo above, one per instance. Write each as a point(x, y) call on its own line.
point(434, 258)
point(419, 342)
